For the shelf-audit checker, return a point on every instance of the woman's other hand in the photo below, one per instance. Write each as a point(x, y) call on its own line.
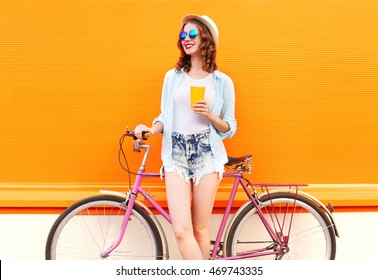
point(139, 129)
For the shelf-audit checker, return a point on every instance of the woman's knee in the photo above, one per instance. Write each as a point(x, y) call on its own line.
point(182, 233)
point(201, 231)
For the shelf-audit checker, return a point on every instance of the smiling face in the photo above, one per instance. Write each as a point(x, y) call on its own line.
point(190, 45)
point(200, 47)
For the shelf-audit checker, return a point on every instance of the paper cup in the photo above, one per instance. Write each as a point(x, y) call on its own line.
point(196, 93)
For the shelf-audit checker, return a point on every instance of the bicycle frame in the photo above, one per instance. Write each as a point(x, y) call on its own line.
point(131, 197)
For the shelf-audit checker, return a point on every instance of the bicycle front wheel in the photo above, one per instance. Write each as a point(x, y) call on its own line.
point(90, 226)
point(301, 225)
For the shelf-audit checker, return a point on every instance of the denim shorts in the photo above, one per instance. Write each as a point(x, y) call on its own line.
point(192, 157)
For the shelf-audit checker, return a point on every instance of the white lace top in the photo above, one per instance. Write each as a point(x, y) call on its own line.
point(185, 121)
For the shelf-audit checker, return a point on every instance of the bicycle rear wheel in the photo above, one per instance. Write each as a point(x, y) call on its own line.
point(90, 226)
point(299, 222)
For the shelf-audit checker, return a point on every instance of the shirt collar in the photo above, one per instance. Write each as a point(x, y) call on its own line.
point(216, 73)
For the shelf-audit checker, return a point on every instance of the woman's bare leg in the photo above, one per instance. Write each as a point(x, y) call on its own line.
point(179, 203)
point(203, 202)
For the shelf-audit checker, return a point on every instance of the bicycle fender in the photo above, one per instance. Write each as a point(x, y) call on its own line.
point(314, 199)
point(148, 210)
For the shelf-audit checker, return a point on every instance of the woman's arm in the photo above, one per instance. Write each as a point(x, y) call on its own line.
point(155, 129)
point(202, 108)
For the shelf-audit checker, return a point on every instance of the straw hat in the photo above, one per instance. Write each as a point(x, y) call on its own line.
point(210, 24)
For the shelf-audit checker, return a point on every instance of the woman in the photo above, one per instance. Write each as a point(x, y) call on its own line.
point(193, 153)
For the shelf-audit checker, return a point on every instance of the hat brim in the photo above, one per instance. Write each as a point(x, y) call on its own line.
point(214, 33)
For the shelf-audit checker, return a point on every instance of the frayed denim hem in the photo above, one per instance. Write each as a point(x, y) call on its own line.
point(183, 174)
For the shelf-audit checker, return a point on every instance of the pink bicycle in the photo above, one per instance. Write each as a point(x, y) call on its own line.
point(277, 221)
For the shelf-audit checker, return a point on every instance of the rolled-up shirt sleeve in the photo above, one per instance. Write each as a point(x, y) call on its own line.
point(164, 97)
point(228, 109)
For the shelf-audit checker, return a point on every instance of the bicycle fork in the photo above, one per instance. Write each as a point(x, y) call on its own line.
point(130, 198)
point(129, 203)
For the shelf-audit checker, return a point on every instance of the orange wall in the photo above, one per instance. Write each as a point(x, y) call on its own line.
point(73, 74)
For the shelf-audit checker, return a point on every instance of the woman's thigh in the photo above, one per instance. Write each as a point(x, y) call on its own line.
point(203, 199)
point(178, 193)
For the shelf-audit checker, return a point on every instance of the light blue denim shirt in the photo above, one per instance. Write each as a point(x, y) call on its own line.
point(224, 106)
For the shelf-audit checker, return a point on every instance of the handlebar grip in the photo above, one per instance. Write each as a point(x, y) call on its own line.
point(145, 135)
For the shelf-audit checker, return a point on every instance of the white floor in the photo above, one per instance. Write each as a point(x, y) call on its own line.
point(22, 237)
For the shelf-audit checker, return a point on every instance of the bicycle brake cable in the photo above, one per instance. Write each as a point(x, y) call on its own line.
point(122, 154)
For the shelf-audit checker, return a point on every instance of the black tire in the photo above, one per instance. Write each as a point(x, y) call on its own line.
point(86, 226)
point(312, 235)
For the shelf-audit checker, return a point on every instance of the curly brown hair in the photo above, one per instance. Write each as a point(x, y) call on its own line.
point(207, 47)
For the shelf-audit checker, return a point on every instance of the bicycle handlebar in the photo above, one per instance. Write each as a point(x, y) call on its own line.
point(145, 134)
